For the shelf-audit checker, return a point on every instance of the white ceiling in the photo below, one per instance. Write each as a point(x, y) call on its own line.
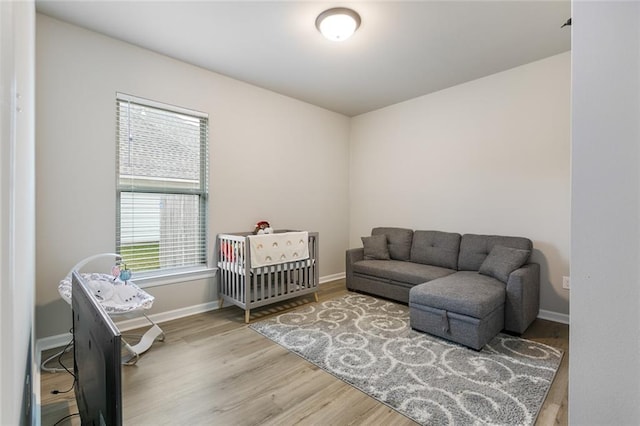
point(401, 50)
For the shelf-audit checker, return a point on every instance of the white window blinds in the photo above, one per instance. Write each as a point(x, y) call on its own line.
point(161, 196)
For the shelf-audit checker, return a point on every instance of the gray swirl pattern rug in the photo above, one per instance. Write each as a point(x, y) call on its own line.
point(368, 343)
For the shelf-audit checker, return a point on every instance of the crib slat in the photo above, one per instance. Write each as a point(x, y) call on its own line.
point(268, 284)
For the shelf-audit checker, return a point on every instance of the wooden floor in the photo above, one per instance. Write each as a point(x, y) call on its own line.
point(212, 369)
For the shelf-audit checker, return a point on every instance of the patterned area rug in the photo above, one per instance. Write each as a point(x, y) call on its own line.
point(368, 343)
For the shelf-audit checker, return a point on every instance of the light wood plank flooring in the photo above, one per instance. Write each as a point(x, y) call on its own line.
point(212, 369)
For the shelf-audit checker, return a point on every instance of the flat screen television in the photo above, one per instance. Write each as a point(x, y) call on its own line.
point(96, 359)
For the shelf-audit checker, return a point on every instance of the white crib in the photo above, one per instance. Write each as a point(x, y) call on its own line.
point(250, 287)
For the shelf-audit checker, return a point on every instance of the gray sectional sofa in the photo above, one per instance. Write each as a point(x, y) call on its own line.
point(465, 288)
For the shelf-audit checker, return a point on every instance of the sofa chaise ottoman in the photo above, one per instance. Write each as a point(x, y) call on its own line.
point(465, 288)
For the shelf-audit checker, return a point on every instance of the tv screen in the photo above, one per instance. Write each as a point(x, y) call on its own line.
point(96, 365)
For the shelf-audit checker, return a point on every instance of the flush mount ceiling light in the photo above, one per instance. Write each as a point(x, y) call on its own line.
point(338, 24)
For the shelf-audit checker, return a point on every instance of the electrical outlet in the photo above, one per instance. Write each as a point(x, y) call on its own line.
point(566, 283)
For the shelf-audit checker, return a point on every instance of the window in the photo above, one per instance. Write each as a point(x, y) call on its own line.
point(161, 187)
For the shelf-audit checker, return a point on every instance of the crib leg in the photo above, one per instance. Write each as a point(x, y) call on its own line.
point(315, 296)
point(220, 302)
point(246, 316)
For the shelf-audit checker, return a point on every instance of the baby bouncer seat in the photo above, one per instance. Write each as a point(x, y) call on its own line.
point(120, 298)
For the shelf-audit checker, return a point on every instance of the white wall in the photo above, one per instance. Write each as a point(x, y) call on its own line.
point(17, 209)
point(489, 157)
point(604, 386)
point(272, 158)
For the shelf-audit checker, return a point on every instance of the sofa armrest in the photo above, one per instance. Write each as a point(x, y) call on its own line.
point(352, 256)
point(523, 298)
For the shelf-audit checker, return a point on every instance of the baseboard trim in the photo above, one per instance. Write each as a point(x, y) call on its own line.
point(57, 341)
point(161, 317)
point(553, 316)
point(60, 340)
point(332, 277)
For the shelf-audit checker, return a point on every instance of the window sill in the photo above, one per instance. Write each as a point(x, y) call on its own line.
point(157, 279)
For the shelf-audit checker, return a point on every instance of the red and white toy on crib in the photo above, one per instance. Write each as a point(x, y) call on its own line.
point(263, 227)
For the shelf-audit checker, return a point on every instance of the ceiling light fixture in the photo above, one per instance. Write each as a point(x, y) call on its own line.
point(338, 24)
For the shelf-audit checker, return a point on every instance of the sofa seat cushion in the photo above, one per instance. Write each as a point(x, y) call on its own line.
point(466, 293)
point(408, 272)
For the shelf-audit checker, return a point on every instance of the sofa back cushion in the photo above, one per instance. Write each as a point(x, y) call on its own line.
point(474, 249)
point(436, 248)
point(399, 240)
